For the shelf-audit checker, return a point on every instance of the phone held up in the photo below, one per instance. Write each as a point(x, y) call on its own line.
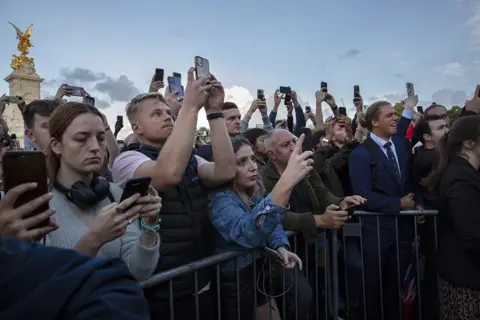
point(324, 86)
point(356, 91)
point(174, 85)
point(74, 91)
point(177, 75)
point(202, 67)
point(308, 109)
point(90, 100)
point(288, 94)
point(420, 109)
point(342, 111)
point(158, 75)
point(260, 94)
point(410, 89)
point(134, 186)
point(25, 167)
point(120, 120)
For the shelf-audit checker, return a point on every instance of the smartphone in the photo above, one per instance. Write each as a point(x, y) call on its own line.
point(260, 94)
point(177, 75)
point(307, 140)
point(202, 67)
point(351, 210)
point(308, 109)
point(356, 91)
point(273, 253)
point(120, 120)
point(23, 167)
point(288, 98)
point(76, 91)
point(420, 109)
point(134, 186)
point(342, 111)
point(323, 86)
point(174, 84)
point(286, 90)
point(158, 75)
point(410, 90)
point(90, 100)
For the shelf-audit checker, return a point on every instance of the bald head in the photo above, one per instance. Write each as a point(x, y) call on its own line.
point(279, 145)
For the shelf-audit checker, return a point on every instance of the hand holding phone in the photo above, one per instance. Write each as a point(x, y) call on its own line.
point(20, 167)
point(134, 186)
point(323, 86)
point(356, 91)
point(174, 85)
point(308, 109)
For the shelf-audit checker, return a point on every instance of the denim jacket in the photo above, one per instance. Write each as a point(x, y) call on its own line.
point(237, 230)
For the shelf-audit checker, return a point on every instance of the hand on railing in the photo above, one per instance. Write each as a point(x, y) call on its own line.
point(289, 259)
point(332, 218)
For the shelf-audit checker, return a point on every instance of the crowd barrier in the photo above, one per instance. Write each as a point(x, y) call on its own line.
point(337, 270)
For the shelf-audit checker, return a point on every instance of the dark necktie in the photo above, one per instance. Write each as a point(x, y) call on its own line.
point(392, 159)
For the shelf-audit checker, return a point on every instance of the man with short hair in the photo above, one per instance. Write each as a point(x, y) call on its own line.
point(232, 117)
point(165, 154)
point(36, 116)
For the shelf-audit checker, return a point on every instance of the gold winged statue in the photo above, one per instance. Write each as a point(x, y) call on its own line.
point(23, 46)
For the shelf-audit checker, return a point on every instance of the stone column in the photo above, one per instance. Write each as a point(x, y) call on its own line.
point(24, 82)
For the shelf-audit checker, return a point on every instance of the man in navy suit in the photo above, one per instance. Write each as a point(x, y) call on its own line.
point(379, 171)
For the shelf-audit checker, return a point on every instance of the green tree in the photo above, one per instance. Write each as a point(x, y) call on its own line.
point(454, 112)
point(398, 109)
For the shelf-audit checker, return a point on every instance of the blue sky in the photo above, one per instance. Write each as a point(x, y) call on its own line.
point(376, 44)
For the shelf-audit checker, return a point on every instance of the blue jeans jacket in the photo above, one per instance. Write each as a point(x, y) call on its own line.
point(238, 229)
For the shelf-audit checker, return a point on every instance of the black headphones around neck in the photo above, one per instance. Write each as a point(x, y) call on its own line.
point(85, 196)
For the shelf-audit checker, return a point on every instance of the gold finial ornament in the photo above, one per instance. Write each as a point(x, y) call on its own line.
point(23, 47)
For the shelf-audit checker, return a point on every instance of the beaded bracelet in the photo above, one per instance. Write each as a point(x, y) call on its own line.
point(150, 228)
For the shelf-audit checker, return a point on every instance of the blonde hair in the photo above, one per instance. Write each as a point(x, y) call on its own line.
point(131, 108)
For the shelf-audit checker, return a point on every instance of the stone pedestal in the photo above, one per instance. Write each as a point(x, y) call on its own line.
point(24, 82)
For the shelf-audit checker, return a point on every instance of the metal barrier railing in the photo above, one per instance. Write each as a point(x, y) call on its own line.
point(336, 299)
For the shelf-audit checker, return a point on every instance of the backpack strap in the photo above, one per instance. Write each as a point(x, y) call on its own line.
point(371, 148)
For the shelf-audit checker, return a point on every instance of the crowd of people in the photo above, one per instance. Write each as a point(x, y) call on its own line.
point(240, 189)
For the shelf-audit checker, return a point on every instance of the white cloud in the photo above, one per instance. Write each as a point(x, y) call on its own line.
point(241, 96)
point(452, 69)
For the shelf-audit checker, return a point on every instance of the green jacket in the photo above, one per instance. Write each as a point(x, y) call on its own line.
point(321, 198)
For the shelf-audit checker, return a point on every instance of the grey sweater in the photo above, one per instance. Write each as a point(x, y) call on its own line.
point(140, 260)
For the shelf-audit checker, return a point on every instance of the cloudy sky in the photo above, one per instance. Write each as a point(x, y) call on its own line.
point(112, 47)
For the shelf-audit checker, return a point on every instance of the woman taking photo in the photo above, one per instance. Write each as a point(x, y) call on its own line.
point(86, 210)
point(456, 181)
point(244, 220)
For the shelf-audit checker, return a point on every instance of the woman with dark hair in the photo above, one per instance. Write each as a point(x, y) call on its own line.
point(256, 138)
point(88, 214)
point(456, 182)
point(245, 220)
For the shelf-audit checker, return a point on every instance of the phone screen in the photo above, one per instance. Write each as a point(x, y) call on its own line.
point(174, 84)
point(23, 167)
point(308, 109)
point(285, 90)
point(177, 75)
point(202, 67)
point(420, 109)
point(76, 91)
point(342, 111)
point(323, 86)
point(134, 186)
point(158, 75)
